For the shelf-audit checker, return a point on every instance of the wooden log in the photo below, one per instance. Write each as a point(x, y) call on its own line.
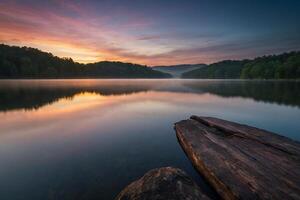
point(163, 184)
point(239, 161)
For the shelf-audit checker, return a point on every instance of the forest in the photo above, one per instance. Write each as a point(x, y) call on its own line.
point(283, 66)
point(26, 62)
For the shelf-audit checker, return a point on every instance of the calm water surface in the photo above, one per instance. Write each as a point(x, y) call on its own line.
point(87, 139)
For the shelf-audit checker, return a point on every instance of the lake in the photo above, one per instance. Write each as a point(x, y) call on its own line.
point(88, 139)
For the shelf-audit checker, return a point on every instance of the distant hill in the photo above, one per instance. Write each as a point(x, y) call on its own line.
point(177, 70)
point(221, 70)
point(283, 66)
point(25, 62)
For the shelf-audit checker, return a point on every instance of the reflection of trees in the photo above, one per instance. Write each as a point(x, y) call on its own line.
point(35, 97)
point(280, 92)
point(32, 95)
point(30, 98)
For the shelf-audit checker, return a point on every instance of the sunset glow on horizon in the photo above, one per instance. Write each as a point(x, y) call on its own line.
point(152, 32)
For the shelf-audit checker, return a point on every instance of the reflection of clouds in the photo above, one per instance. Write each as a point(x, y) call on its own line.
point(92, 113)
point(37, 93)
point(85, 106)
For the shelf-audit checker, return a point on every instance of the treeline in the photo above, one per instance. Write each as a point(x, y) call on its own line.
point(221, 70)
point(284, 66)
point(25, 62)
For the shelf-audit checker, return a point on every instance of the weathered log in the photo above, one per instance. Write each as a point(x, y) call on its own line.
point(166, 183)
point(239, 161)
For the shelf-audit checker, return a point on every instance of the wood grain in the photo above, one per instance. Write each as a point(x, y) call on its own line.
point(240, 161)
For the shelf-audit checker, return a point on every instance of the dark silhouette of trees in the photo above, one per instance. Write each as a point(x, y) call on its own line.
point(221, 70)
point(284, 66)
point(25, 62)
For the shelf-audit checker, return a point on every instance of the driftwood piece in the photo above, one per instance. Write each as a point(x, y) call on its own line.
point(239, 161)
point(166, 183)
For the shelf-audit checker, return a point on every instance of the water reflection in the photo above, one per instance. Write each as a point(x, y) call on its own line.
point(279, 92)
point(34, 94)
point(87, 139)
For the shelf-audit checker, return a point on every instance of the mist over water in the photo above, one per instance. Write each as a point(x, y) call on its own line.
point(87, 139)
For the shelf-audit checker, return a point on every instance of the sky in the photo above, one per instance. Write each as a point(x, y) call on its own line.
point(153, 32)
